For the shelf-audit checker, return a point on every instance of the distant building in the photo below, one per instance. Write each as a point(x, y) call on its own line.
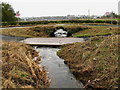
point(45, 18)
point(107, 13)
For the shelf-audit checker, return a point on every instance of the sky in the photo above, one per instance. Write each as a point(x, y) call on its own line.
point(38, 8)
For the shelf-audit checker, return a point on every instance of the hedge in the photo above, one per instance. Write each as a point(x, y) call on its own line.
point(60, 21)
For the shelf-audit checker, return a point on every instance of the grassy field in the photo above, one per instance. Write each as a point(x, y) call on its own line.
point(23, 32)
point(19, 70)
point(77, 30)
point(41, 30)
point(94, 62)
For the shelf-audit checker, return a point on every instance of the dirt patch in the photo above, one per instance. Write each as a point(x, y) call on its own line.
point(94, 62)
point(20, 69)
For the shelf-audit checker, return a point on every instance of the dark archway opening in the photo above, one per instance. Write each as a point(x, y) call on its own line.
point(52, 34)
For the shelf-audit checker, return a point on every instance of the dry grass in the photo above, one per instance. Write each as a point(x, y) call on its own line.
point(77, 30)
point(19, 70)
point(94, 62)
point(40, 30)
point(35, 31)
point(23, 32)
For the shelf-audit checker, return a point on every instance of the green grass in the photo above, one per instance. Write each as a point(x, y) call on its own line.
point(89, 35)
point(84, 35)
point(97, 31)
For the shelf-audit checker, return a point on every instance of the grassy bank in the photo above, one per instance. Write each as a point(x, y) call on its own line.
point(77, 30)
point(23, 32)
point(41, 30)
point(94, 62)
point(19, 69)
point(97, 31)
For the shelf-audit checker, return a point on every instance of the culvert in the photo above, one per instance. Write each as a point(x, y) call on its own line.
point(60, 32)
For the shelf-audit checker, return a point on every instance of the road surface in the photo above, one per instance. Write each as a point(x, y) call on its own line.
point(51, 41)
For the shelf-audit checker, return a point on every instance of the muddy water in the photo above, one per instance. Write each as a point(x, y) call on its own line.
point(59, 73)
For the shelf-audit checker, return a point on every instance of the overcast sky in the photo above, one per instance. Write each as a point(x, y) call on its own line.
point(37, 8)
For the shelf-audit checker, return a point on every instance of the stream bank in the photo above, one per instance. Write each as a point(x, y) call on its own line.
point(19, 70)
point(94, 62)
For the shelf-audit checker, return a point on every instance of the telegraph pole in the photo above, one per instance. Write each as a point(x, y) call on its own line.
point(111, 16)
point(88, 13)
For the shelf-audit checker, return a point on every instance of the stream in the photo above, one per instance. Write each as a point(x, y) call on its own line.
point(59, 73)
